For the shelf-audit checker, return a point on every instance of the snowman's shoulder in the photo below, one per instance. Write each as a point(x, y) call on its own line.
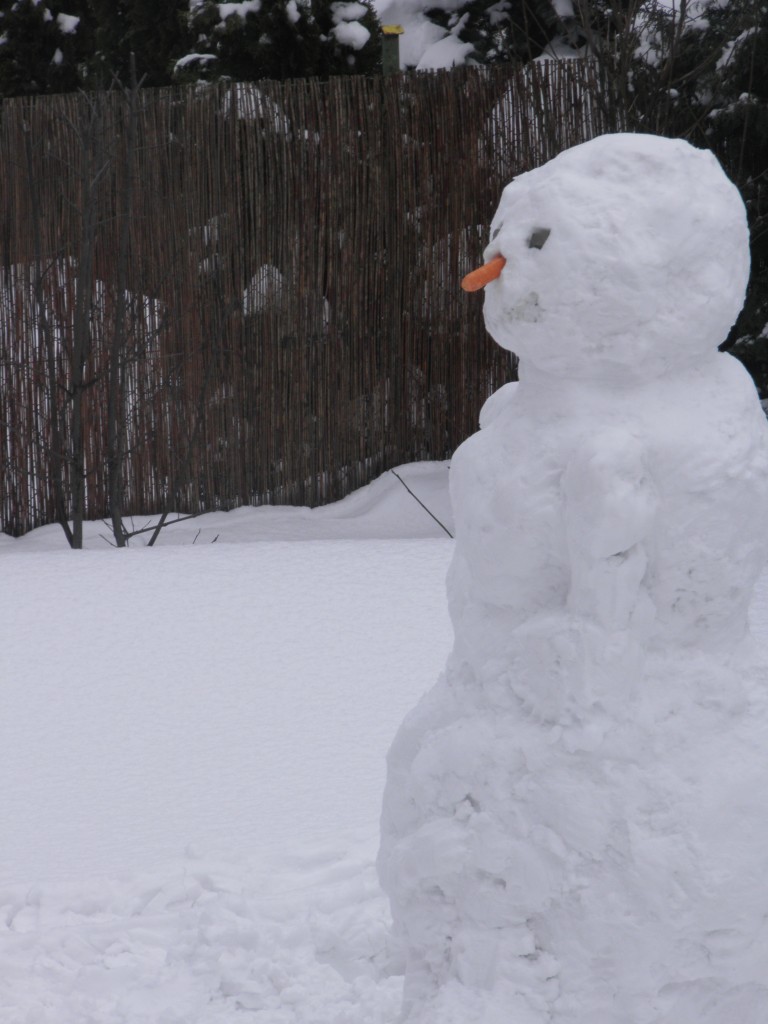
point(726, 390)
point(716, 385)
point(731, 369)
point(704, 426)
point(497, 403)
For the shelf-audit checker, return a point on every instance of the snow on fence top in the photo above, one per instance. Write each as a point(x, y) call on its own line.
point(366, 199)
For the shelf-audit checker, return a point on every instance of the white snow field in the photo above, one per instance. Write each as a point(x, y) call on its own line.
point(192, 744)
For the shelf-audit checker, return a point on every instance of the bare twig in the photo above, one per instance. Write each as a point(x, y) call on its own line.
point(405, 485)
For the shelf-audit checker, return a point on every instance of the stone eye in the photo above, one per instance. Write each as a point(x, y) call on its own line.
point(498, 229)
point(538, 238)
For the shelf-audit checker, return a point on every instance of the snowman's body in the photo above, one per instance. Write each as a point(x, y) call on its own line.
point(563, 467)
point(573, 828)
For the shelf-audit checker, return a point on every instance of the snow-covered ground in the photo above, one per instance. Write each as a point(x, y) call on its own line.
point(192, 743)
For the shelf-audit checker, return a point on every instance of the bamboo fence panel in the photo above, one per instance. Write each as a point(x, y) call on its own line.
point(293, 323)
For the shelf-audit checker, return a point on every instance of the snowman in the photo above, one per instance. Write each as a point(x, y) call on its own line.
point(575, 827)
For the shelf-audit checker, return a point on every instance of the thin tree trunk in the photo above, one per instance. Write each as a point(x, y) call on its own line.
point(118, 345)
point(95, 164)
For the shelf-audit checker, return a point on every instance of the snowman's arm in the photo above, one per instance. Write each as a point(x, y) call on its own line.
point(610, 508)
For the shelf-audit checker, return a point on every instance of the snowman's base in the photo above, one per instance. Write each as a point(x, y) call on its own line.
point(700, 1002)
point(610, 873)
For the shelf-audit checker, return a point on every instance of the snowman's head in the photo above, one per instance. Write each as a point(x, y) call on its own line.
point(626, 256)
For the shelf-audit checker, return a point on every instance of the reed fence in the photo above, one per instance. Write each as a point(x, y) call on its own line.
point(270, 272)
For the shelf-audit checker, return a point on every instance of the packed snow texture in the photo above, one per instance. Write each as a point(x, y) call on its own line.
point(192, 743)
point(352, 34)
point(574, 826)
point(445, 53)
point(67, 23)
point(347, 28)
point(240, 9)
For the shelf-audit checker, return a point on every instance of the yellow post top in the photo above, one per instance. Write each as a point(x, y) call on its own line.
point(392, 30)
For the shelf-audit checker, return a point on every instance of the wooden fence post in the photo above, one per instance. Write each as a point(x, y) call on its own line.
point(390, 49)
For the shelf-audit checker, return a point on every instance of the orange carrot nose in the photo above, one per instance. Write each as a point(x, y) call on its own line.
point(479, 278)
